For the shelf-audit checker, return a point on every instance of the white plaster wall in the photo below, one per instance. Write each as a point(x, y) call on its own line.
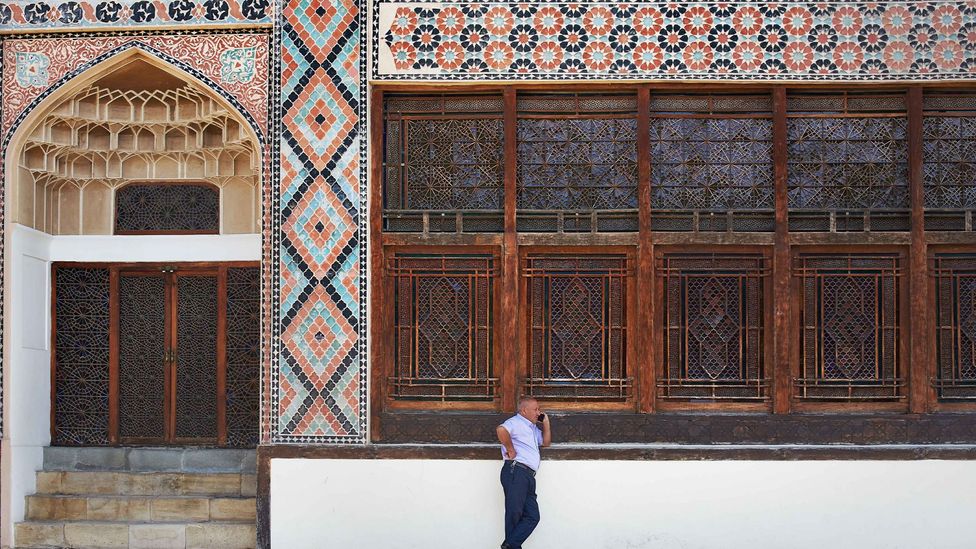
point(27, 368)
point(27, 360)
point(406, 504)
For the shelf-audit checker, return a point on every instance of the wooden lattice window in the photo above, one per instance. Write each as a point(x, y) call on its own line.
point(577, 163)
point(711, 162)
point(81, 356)
point(850, 329)
point(949, 160)
point(714, 340)
point(167, 208)
point(577, 316)
point(955, 298)
point(443, 326)
point(847, 162)
point(443, 166)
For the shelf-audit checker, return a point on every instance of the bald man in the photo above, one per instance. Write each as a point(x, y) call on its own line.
point(521, 436)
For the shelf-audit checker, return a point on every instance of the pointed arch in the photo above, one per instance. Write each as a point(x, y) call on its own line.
point(99, 66)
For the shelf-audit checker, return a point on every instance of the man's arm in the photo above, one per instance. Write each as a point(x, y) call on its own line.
point(546, 432)
point(506, 439)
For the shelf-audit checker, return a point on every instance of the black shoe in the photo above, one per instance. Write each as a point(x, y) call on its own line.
point(506, 546)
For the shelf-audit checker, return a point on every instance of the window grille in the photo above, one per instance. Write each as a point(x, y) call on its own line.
point(847, 162)
point(955, 298)
point(577, 308)
point(444, 163)
point(174, 208)
point(949, 160)
point(713, 326)
point(81, 357)
point(849, 326)
point(443, 327)
point(577, 163)
point(712, 162)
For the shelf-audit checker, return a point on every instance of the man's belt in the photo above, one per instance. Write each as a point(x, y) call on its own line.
point(522, 465)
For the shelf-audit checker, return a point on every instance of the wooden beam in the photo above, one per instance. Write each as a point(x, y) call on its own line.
point(782, 311)
point(646, 365)
point(511, 360)
point(921, 394)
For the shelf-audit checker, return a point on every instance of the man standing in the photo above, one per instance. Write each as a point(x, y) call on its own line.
point(521, 438)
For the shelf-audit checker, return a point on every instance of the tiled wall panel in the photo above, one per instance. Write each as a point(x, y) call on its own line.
point(743, 40)
point(317, 387)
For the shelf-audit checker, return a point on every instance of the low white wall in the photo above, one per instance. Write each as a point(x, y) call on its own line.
point(27, 333)
point(405, 504)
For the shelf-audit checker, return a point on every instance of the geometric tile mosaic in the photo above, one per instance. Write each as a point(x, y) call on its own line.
point(318, 383)
point(676, 40)
point(95, 14)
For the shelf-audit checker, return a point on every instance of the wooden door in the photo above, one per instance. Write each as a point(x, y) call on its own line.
point(143, 356)
point(194, 393)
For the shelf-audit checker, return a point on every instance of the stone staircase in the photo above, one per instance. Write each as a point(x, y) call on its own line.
point(142, 498)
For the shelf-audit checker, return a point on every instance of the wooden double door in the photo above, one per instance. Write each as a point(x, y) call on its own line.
point(169, 344)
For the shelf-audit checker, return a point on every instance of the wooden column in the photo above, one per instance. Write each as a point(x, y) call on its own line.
point(510, 360)
point(782, 371)
point(646, 365)
point(921, 394)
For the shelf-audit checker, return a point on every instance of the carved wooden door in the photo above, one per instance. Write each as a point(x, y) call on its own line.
point(156, 354)
point(168, 356)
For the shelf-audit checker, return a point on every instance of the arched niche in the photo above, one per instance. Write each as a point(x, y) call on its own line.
point(132, 119)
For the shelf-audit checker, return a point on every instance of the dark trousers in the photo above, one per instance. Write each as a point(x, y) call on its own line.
point(521, 507)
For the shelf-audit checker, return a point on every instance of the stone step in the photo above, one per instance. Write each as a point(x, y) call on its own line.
point(140, 508)
point(95, 483)
point(157, 460)
point(103, 535)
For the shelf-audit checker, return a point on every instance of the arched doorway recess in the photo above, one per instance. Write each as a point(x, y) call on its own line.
point(138, 148)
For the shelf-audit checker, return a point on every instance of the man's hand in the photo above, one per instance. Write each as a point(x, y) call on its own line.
point(510, 453)
point(546, 430)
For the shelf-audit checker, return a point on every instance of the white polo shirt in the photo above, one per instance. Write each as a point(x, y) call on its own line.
point(526, 438)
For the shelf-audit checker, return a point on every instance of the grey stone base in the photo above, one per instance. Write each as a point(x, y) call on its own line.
point(161, 460)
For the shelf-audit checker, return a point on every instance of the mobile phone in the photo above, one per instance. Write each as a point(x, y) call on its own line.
point(542, 417)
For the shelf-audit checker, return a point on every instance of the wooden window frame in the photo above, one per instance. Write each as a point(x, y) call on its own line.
point(524, 362)
point(218, 269)
point(660, 364)
point(901, 404)
point(939, 404)
point(781, 323)
point(385, 362)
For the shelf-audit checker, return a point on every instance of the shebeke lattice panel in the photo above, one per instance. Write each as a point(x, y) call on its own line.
point(676, 40)
point(81, 356)
point(317, 379)
point(577, 337)
point(850, 326)
point(955, 335)
point(714, 338)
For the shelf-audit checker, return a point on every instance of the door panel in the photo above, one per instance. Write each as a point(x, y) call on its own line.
point(195, 350)
point(142, 357)
point(178, 354)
